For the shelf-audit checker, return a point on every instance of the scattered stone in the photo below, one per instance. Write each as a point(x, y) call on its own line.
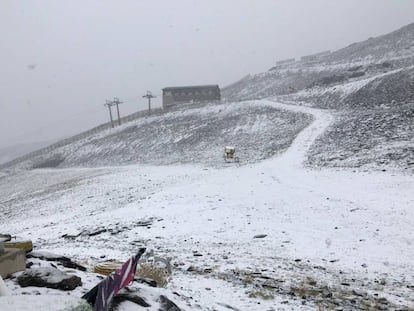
point(144, 223)
point(225, 305)
point(167, 305)
point(73, 236)
point(260, 236)
point(132, 297)
point(357, 74)
point(358, 293)
point(48, 277)
point(97, 232)
point(65, 261)
point(147, 281)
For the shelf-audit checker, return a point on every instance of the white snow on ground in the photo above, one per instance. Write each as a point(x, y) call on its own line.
point(348, 88)
point(29, 302)
point(358, 224)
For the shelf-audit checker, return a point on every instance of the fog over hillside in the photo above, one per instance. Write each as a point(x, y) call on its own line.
point(62, 60)
point(9, 153)
point(293, 191)
point(368, 85)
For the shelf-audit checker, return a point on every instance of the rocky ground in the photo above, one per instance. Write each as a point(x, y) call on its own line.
point(268, 234)
point(52, 275)
point(264, 236)
point(359, 84)
point(379, 138)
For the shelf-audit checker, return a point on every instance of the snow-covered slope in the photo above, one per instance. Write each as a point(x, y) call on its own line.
point(188, 134)
point(265, 236)
point(396, 44)
point(357, 62)
point(370, 83)
point(269, 234)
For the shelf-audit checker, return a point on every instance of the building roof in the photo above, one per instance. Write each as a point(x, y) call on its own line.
point(176, 88)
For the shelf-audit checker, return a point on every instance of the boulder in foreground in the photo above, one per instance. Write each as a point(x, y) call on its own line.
point(49, 277)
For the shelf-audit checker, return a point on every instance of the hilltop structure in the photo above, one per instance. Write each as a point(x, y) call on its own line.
point(185, 94)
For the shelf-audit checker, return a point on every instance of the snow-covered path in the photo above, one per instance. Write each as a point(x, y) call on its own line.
point(352, 225)
point(296, 154)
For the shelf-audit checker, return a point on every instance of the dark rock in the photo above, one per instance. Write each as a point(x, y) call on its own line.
point(356, 68)
point(48, 277)
point(358, 293)
point(66, 262)
point(120, 298)
point(167, 305)
point(260, 236)
point(227, 306)
point(144, 223)
point(357, 74)
point(146, 281)
point(386, 64)
point(72, 236)
point(97, 232)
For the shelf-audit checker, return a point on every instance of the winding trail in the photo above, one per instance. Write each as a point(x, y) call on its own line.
point(295, 155)
point(352, 224)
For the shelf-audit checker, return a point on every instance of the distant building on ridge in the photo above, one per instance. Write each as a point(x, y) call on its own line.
point(172, 96)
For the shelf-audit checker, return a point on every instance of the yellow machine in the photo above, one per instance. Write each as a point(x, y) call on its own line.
point(229, 154)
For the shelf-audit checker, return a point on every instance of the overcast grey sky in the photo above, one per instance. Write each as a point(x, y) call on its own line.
point(60, 60)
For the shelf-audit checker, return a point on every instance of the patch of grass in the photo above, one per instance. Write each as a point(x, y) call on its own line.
point(248, 280)
point(82, 306)
point(326, 307)
point(262, 294)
